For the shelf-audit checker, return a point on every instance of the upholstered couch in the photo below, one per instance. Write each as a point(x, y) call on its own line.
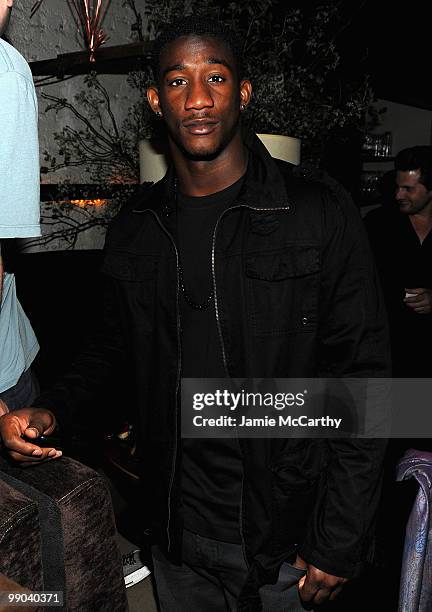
point(57, 533)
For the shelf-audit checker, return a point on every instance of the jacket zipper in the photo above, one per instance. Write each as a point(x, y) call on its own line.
point(178, 367)
point(219, 327)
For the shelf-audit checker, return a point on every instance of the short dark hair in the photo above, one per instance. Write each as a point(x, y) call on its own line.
point(417, 158)
point(198, 26)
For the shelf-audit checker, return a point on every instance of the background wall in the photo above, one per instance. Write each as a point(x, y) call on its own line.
point(409, 125)
point(53, 31)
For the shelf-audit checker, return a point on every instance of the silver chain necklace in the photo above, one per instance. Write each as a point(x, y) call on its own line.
point(189, 301)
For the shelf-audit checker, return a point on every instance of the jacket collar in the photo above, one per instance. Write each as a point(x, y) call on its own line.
point(264, 185)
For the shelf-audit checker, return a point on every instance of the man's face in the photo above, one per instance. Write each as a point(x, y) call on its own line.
point(199, 95)
point(5, 11)
point(411, 195)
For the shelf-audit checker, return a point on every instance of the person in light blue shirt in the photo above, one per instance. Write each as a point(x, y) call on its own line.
point(19, 213)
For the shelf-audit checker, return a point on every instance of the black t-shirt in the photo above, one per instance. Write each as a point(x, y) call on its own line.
point(211, 468)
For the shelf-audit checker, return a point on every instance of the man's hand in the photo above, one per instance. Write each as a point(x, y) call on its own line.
point(316, 587)
point(30, 423)
point(419, 300)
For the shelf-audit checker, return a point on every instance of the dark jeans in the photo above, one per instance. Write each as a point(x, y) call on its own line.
point(23, 393)
point(212, 576)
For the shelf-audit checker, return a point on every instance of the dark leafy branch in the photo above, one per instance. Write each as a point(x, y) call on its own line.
point(99, 145)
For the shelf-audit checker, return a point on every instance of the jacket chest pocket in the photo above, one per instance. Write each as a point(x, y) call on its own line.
point(136, 275)
point(282, 289)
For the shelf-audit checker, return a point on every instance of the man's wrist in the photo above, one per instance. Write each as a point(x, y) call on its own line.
point(3, 408)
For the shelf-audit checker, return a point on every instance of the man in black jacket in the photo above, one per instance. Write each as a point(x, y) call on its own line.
point(233, 265)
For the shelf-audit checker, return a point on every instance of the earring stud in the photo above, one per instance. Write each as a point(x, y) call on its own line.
point(242, 107)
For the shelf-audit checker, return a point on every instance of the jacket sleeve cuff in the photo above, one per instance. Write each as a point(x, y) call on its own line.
point(331, 564)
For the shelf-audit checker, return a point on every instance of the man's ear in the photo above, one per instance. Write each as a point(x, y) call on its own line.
point(245, 92)
point(9, 3)
point(153, 100)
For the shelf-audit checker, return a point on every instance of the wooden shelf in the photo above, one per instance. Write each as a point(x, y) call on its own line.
point(120, 59)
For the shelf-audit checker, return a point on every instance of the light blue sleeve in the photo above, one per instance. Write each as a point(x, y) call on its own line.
point(19, 157)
